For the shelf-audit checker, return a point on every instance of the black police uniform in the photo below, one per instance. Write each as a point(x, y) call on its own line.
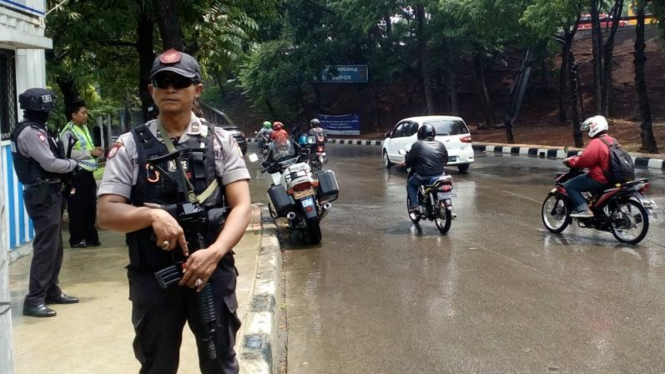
point(39, 165)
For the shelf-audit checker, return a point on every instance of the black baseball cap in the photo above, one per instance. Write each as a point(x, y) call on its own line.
point(178, 62)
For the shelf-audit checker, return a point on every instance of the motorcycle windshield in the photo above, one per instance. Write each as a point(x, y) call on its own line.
point(283, 149)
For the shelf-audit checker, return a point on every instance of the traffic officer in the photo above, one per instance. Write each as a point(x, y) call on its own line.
point(82, 201)
point(39, 165)
point(127, 196)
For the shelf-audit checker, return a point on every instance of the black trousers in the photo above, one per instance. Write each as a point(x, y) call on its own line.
point(82, 209)
point(47, 245)
point(159, 316)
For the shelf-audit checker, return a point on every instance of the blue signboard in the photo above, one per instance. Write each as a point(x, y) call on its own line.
point(348, 124)
point(344, 74)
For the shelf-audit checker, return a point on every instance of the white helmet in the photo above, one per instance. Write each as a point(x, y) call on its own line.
point(595, 125)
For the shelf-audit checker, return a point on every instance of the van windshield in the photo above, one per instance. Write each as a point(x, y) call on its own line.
point(448, 127)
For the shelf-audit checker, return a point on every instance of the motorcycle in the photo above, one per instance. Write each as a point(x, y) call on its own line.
point(435, 201)
point(622, 209)
point(263, 143)
point(318, 156)
point(296, 193)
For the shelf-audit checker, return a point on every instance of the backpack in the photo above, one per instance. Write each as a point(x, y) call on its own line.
point(621, 164)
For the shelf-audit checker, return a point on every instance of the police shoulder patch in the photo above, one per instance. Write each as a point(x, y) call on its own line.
point(114, 149)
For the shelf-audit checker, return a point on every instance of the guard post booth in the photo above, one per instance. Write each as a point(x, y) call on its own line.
point(22, 66)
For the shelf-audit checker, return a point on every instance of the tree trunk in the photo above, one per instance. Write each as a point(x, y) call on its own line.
point(517, 92)
point(574, 88)
point(483, 93)
point(646, 126)
point(169, 25)
point(451, 67)
point(597, 44)
point(564, 76)
point(608, 50)
point(144, 45)
point(70, 93)
point(422, 57)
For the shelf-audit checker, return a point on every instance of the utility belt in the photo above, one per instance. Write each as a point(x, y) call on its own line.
point(40, 192)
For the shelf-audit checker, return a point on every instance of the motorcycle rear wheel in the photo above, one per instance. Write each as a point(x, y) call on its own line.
point(444, 219)
point(314, 231)
point(633, 225)
point(415, 218)
point(558, 221)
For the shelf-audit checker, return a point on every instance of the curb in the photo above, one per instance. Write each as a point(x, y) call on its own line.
point(260, 339)
point(559, 153)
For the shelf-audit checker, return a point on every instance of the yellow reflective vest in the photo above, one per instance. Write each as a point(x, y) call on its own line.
point(83, 143)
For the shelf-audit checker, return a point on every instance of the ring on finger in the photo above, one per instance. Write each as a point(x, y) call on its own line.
point(198, 282)
point(165, 244)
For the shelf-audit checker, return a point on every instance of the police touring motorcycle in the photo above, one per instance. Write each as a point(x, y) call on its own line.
point(298, 194)
point(435, 200)
point(622, 209)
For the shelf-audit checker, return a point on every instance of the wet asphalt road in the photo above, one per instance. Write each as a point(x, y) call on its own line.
point(498, 294)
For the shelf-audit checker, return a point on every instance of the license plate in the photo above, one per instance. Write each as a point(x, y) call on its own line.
point(308, 202)
point(452, 159)
point(444, 195)
point(300, 194)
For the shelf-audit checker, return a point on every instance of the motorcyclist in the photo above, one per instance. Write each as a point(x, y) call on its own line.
point(264, 134)
point(315, 129)
point(278, 131)
point(595, 158)
point(426, 159)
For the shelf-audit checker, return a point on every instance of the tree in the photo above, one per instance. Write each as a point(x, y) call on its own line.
point(646, 126)
point(546, 18)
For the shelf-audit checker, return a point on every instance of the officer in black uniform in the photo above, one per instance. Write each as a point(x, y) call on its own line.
point(131, 196)
point(40, 165)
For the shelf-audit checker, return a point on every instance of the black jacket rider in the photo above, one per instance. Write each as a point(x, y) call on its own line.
point(427, 157)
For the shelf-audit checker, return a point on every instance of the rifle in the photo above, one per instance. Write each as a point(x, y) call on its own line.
point(193, 218)
point(67, 178)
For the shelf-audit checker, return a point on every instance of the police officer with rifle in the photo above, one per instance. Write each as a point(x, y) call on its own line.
point(178, 187)
point(41, 167)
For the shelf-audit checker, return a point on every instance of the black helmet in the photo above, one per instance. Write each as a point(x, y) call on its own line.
point(314, 122)
point(37, 100)
point(426, 131)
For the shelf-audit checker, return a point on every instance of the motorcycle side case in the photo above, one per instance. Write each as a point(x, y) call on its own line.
point(281, 201)
point(328, 187)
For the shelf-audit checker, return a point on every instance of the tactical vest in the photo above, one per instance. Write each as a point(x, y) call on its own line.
point(28, 170)
point(198, 159)
point(83, 143)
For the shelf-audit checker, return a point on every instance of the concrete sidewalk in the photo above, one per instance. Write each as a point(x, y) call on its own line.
point(95, 336)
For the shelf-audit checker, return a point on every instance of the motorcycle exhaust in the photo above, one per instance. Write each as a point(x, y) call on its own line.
point(325, 209)
point(291, 216)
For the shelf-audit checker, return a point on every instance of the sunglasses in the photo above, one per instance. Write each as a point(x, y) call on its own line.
point(178, 82)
